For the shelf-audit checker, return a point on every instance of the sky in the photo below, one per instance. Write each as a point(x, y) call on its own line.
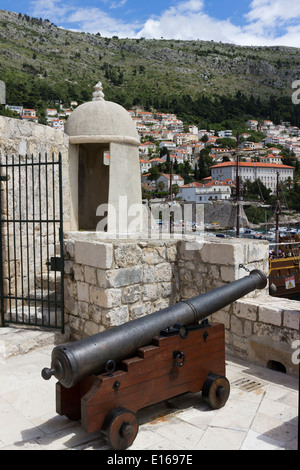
point(240, 22)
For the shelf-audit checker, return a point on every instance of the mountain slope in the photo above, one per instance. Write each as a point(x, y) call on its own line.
point(47, 63)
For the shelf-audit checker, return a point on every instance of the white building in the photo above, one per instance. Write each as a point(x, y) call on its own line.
point(270, 158)
point(266, 172)
point(176, 179)
point(146, 146)
point(225, 134)
point(252, 124)
point(29, 112)
point(193, 130)
point(57, 124)
point(168, 144)
point(268, 124)
point(51, 112)
point(145, 165)
point(16, 109)
point(204, 193)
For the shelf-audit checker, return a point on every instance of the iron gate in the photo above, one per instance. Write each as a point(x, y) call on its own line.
point(31, 236)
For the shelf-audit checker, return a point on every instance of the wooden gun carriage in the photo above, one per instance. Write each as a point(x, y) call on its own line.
point(103, 380)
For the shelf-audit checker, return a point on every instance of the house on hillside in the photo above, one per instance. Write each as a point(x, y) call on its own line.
point(205, 193)
point(156, 161)
point(252, 124)
point(170, 145)
point(270, 158)
point(32, 118)
point(166, 179)
point(29, 112)
point(16, 109)
point(51, 112)
point(145, 165)
point(146, 146)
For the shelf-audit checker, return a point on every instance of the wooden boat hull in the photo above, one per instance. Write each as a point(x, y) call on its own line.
point(284, 273)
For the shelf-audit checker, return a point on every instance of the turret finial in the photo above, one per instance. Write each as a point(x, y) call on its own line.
point(98, 95)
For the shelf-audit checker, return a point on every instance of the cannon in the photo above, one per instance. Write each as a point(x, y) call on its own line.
point(104, 379)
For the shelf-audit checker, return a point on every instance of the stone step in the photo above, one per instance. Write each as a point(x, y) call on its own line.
point(52, 282)
point(39, 296)
point(16, 340)
point(36, 315)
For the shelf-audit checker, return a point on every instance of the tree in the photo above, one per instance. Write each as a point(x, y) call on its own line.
point(289, 182)
point(204, 164)
point(257, 190)
point(164, 151)
point(175, 166)
point(154, 173)
point(175, 189)
point(185, 172)
point(160, 185)
point(196, 173)
point(226, 142)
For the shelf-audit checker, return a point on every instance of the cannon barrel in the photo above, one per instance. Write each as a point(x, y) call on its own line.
point(73, 362)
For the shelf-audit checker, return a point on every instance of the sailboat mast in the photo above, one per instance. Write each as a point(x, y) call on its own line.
point(237, 186)
point(277, 214)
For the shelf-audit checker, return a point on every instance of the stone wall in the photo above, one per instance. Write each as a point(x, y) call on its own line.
point(264, 330)
point(28, 197)
point(110, 282)
point(224, 213)
point(29, 139)
point(259, 328)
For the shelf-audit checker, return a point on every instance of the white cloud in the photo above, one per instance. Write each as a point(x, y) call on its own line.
point(269, 11)
point(53, 10)
point(268, 22)
point(275, 20)
point(94, 20)
point(117, 4)
point(188, 21)
point(87, 19)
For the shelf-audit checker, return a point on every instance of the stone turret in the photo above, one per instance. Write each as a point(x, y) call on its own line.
point(104, 165)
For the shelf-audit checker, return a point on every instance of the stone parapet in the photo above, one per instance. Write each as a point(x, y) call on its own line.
point(264, 330)
point(109, 282)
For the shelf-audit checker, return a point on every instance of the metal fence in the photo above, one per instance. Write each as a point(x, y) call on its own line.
point(31, 236)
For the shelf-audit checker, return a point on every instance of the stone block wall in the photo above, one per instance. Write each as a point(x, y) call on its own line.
point(259, 328)
point(31, 139)
point(22, 142)
point(264, 330)
point(109, 282)
point(206, 265)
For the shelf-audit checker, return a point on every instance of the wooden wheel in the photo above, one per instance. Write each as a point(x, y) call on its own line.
point(120, 427)
point(216, 391)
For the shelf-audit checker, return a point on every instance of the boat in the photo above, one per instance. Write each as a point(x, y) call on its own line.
point(284, 260)
point(284, 267)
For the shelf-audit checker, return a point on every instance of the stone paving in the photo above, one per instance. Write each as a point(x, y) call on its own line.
point(260, 414)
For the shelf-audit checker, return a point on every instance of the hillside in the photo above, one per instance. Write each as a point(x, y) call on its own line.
point(42, 63)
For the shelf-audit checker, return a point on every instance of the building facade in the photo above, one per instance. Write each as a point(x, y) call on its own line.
point(166, 180)
point(266, 172)
point(197, 192)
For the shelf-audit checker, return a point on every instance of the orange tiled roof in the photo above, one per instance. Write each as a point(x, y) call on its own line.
point(252, 164)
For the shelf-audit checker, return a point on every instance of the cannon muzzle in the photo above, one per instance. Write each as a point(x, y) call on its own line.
point(72, 362)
